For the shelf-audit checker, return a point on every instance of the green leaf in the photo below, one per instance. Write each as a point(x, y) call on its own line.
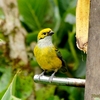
point(54, 98)
point(5, 78)
point(73, 93)
point(25, 85)
point(66, 6)
point(10, 92)
point(14, 98)
point(65, 53)
point(34, 63)
point(49, 91)
point(72, 48)
point(31, 37)
point(81, 71)
point(33, 12)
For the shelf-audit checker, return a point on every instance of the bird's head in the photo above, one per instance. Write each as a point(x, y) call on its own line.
point(44, 33)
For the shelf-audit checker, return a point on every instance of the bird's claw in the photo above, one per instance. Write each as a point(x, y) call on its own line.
point(41, 75)
point(50, 79)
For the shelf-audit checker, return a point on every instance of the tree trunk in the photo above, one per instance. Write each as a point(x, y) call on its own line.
point(92, 89)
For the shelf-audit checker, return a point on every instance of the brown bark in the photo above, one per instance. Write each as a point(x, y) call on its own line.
point(92, 88)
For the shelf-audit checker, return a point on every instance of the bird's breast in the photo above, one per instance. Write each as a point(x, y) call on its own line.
point(47, 58)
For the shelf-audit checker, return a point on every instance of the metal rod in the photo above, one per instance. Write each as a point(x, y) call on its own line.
point(61, 81)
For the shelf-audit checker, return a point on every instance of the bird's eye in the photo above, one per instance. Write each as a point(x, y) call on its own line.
point(44, 33)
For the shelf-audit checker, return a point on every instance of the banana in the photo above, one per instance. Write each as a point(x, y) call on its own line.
point(82, 24)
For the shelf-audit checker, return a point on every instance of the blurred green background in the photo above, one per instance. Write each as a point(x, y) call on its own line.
point(35, 15)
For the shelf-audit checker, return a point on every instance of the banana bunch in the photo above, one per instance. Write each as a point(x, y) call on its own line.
point(82, 24)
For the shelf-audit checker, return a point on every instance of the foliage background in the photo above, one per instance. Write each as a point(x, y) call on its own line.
point(34, 16)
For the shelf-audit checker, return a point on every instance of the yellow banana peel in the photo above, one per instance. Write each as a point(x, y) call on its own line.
point(82, 24)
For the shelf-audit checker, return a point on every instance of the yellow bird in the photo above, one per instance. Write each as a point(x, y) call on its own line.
point(47, 56)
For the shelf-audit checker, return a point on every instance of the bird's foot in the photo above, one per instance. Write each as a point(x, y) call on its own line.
point(51, 77)
point(41, 75)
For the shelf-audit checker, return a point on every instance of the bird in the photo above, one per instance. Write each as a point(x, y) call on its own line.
point(47, 55)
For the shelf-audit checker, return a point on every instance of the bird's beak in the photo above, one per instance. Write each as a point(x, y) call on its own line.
point(50, 33)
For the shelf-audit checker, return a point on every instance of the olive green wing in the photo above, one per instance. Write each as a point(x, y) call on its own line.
point(64, 66)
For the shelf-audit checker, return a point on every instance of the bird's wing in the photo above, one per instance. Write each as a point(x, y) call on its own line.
point(64, 66)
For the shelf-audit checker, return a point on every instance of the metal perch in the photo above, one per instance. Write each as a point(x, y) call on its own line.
point(61, 81)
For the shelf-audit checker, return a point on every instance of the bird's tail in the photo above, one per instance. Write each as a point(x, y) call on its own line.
point(64, 69)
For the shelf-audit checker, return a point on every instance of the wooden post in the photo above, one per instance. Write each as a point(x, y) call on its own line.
point(92, 88)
